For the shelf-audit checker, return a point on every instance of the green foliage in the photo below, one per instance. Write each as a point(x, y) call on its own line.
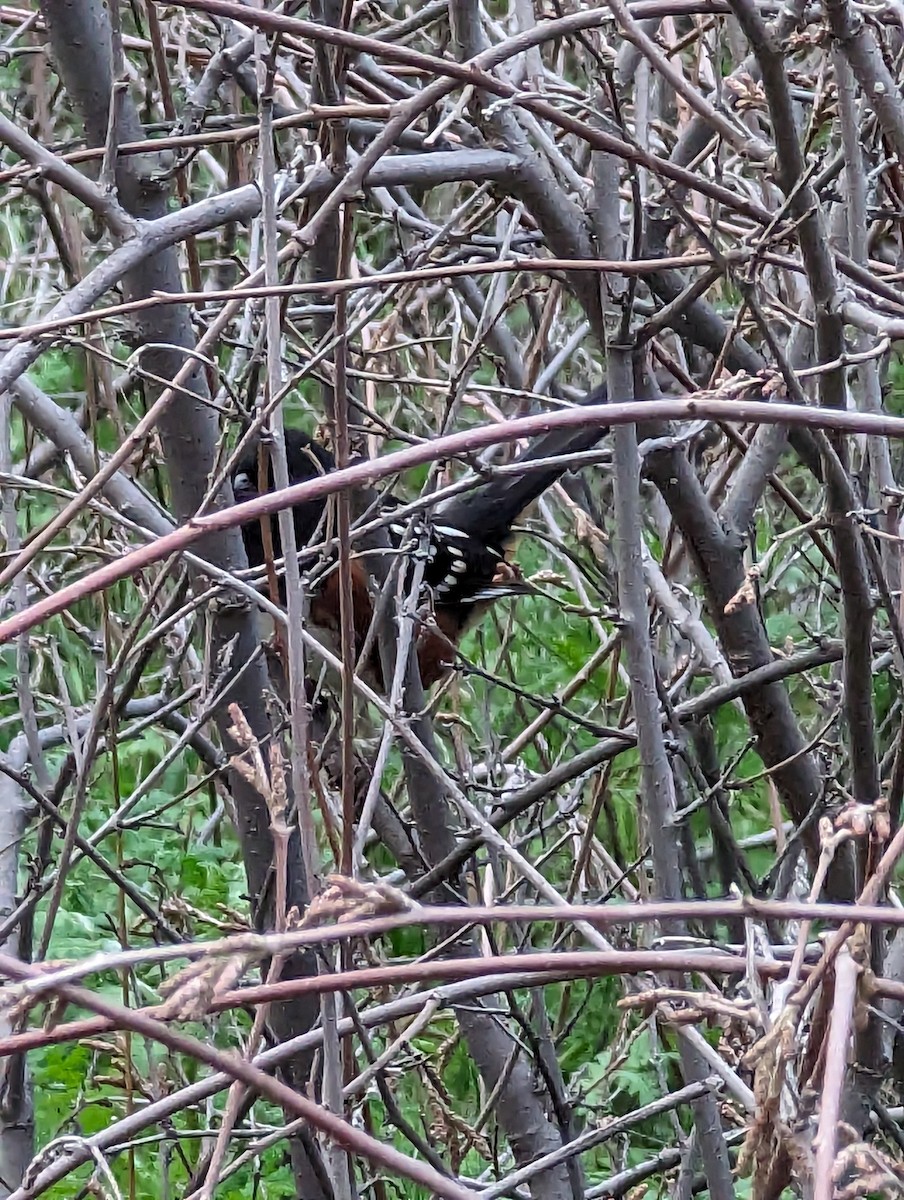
point(894, 399)
point(595, 1001)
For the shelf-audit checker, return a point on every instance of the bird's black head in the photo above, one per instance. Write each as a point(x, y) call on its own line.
point(306, 459)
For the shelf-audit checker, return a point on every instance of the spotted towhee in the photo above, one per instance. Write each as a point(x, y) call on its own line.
point(466, 542)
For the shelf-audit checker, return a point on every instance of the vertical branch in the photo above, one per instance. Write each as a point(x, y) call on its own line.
point(803, 203)
point(295, 595)
point(17, 1129)
point(343, 456)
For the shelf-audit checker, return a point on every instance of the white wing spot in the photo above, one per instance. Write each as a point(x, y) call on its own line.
point(490, 593)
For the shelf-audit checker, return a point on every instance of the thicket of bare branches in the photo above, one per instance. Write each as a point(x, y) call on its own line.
point(611, 912)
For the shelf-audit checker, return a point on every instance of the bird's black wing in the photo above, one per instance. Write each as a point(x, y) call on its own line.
point(490, 509)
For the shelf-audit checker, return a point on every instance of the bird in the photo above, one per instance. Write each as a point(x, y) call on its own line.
point(467, 544)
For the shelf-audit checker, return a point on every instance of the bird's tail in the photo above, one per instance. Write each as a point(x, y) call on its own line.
point(490, 509)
